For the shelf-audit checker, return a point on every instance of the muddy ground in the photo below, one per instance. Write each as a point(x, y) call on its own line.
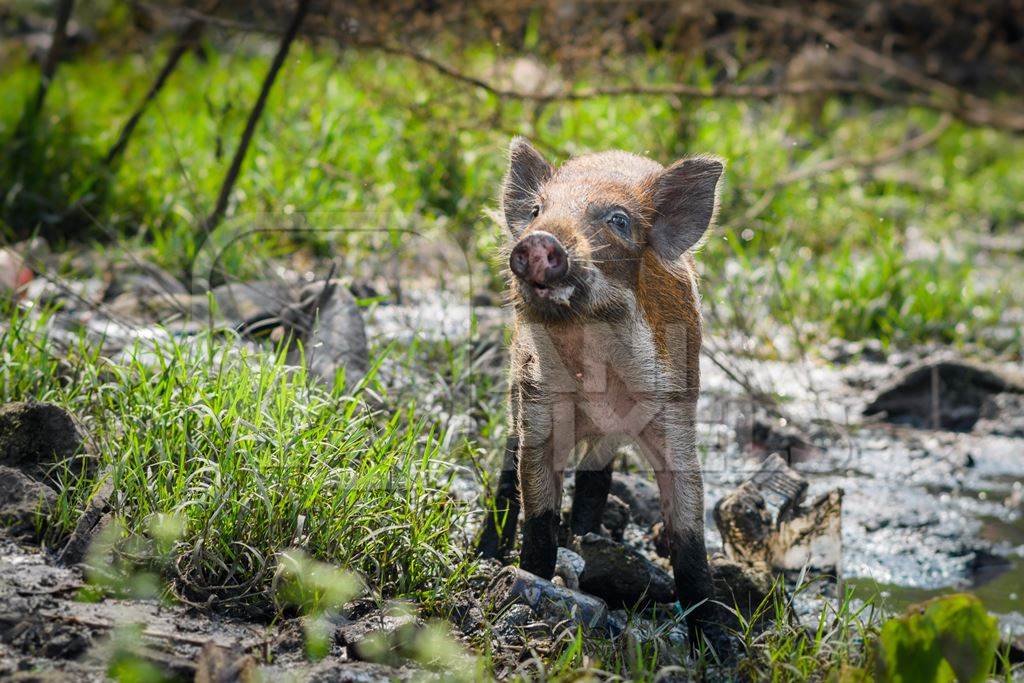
point(930, 505)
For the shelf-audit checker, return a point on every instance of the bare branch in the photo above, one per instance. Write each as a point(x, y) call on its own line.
point(925, 92)
point(54, 54)
point(961, 104)
point(979, 112)
point(915, 144)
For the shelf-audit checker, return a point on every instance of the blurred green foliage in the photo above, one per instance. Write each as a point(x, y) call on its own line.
point(945, 639)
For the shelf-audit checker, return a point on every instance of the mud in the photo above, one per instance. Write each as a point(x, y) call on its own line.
point(925, 511)
point(48, 629)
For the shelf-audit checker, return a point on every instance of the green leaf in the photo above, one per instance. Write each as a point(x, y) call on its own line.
point(944, 639)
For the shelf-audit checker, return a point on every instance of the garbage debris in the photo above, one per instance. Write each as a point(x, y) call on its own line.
point(568, 567)
point(764, 521)
point(515, 586)
point(16, 265)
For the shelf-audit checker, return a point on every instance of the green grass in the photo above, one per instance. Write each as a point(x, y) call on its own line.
point(882, 293)
point(253, 459)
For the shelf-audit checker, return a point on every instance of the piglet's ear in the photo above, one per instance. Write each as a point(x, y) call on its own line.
point(685, 202)
point(527, 171)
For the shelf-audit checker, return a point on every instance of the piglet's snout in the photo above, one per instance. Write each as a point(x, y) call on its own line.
point(540, 259)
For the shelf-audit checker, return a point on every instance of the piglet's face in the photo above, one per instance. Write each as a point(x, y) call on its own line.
point(580, 232)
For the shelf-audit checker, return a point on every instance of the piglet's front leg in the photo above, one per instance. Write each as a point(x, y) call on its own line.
point(546, 438)
point(541, 489)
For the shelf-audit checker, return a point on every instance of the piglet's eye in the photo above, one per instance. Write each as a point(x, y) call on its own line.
point(535, 211)
point(619, 222)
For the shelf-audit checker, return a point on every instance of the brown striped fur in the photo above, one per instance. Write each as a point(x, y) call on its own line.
point(610, 352)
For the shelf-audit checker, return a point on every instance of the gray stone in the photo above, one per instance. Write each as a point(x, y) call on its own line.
point(328, 321)
point(143, 279)
point(569, 566)
point(640, 495)
point(238, 301)
point(944, 393)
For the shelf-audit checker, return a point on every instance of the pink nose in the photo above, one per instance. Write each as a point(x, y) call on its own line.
point(539, 258)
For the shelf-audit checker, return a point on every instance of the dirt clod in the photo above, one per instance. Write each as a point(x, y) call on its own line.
point(740, 585)
point(621, 575)
point(940, 394)
point(36, 436)
point(23, 501)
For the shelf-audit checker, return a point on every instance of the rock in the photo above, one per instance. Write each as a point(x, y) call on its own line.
point(940, 394)
point(740, 585)
point(329, 323)
point(144, 280)
point(775, 436)
point(323, 316)
point(218, 664)
point(160, 307)
point(379, 636)
point(620, 575)
point(569, 566)
point(763, 521)
point(640, 495)
point(72, 295)
point(23, 501)
point(238, 301)
point(36, 436)
point(615, 517)
point(514, 586)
